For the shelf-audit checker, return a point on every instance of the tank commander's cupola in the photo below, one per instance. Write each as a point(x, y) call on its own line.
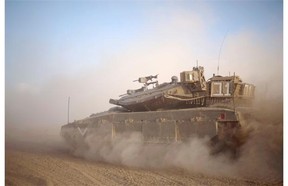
point(174, 79)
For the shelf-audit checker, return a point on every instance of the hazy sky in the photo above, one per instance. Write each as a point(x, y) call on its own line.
point(93, 50)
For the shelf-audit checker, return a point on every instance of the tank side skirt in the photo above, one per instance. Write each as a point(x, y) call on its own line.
point(157, 126)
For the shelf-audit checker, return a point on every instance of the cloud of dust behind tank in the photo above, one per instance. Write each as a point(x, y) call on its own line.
point(261, 157)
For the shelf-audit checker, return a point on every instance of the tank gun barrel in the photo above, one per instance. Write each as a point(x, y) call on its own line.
point(123, 95)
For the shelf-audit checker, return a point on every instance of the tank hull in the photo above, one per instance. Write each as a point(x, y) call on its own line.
point(154, 127)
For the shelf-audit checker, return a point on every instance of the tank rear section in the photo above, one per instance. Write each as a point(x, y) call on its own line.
point(154, 127)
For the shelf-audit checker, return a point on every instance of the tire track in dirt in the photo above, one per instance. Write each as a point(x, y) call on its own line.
point(57, 167)
point(51, 170)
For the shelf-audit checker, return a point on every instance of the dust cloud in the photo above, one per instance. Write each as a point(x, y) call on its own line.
point(261, 157)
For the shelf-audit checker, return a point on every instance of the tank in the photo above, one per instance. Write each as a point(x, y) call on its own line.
point(172, 112)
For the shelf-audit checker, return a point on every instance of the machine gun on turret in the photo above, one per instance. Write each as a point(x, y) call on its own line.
point(146, 79)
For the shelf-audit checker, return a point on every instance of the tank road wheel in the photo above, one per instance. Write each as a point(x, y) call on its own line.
point(216, 145)
point(229, 145)
point(233, 145)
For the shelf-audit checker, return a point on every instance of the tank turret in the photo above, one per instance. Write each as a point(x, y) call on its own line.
point(192, 91)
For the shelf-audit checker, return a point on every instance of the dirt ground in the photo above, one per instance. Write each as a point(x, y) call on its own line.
point(32, 164)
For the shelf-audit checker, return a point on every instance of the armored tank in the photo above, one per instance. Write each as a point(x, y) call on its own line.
point(171, 112)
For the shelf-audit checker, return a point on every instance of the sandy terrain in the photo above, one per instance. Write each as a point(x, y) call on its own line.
point(32, 164)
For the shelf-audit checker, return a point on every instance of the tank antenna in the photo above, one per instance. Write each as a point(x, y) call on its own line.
point(220, 52)
point(68, 108)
